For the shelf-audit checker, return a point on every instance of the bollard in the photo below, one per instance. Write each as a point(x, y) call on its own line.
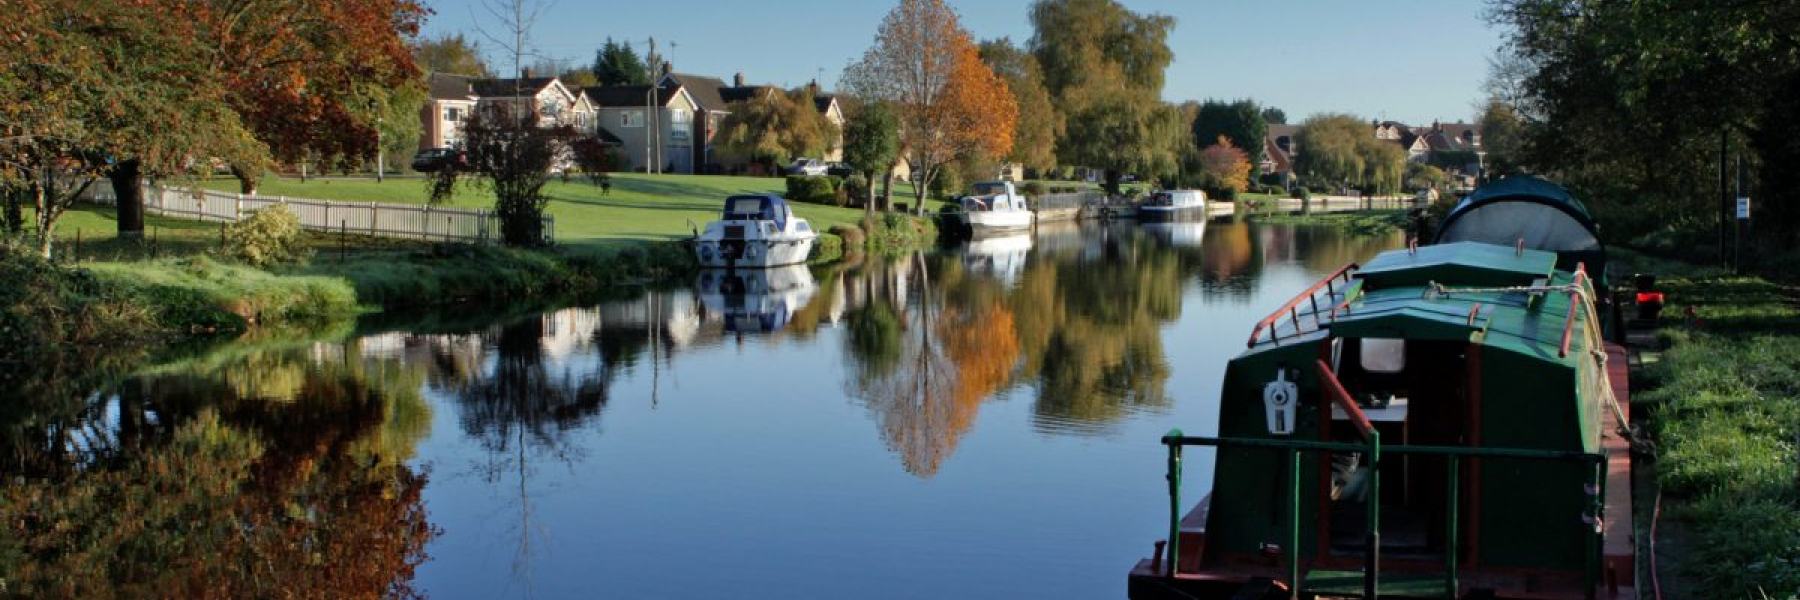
point(343, 242)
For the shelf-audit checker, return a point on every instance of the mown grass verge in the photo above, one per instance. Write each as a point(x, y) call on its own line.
point(1371, 222)
point(1724, 407)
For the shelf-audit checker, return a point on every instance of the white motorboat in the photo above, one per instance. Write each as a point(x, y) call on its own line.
point(755, 300)
point(1173, 205)
point(755, 231)
point(994, 206)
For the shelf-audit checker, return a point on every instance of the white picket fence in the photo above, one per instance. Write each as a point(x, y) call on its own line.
point(367, 218)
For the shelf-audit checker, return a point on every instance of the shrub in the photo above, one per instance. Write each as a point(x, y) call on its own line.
point(1302, 193)
point(947, 183)
point(855, 190)
point(268, 236)
point(1035, 189)
point(816, 190)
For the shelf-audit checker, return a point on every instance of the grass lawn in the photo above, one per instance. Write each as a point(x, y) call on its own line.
point(98, 226)
point(640, 207)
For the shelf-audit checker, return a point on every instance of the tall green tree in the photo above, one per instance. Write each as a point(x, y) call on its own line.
point(1034, 141)
point(618, 64)
point(1240, 121)
point(1274, 116)
point(871, 145)
point(451, 53)
point(1628, 103)
point(1103, 67)
point(1502, 137)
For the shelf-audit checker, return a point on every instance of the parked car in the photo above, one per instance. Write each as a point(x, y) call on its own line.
point(430, 160)
point(811, 167)
point(838, 169)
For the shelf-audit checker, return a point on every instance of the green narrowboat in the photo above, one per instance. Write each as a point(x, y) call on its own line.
point(1445, 421)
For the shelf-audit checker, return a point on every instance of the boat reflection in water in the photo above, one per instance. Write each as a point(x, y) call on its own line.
point(999, 256)
point(1178, 233)
point(755, 300)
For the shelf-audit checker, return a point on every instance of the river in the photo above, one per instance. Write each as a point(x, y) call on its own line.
point(979, 422)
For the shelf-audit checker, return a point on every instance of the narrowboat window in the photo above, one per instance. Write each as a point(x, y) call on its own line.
point(1383, 355)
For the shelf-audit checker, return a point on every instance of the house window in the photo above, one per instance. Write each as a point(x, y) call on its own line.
point(452, 114)
point(631, 118)
point(680, 117)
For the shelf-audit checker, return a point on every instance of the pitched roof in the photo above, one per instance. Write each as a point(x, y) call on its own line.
point(705, 90)
point(823, 101)
point(741, 93)
point(506, 88)
point(624, 96)
point(607, 137)
point(446, 86)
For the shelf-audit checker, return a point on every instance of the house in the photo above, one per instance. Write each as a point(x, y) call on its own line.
point(654, 125)
point(714, 99)
point(545, 97)
point(1280, 146)
point(1455, 146)
point(440, 120)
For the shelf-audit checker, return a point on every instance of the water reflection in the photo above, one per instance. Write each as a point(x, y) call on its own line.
point(313, 444)
point(192, 483)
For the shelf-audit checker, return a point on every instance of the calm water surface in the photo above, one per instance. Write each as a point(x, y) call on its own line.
point(978, 423)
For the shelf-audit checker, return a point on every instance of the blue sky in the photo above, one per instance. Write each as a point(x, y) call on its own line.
point(1407, 60)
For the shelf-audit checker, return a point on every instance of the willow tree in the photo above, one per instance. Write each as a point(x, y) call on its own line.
point(775, 126)
point(1103, 66)
point(1341, 151)
point(950, 105)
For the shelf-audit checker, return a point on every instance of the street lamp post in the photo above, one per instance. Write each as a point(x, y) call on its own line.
point(380, 150)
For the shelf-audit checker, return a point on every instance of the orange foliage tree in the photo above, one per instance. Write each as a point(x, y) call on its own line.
point(1226, 166)
point(950, 104)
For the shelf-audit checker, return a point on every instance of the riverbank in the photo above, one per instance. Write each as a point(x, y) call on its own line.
point(1723, 398)
point(1372, 222)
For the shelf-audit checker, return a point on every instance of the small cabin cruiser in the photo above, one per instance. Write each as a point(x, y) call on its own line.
point(755, 231)
point(758, 301)
point(1173, 205)
point(994, 206)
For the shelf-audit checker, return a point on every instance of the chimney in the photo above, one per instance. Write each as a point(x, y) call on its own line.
point(668, 68)
point(737, 80)
point(525, 73)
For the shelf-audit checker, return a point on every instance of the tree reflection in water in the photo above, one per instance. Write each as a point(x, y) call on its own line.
point(180, 485)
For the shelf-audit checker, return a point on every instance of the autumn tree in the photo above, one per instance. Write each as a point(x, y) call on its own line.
point(775, 126)
point(104, 88)
point(950, 104)
point(871, 144)
point(1034, 141)
point(1226, 166)
point(1103, 66)
point(451, 53)
point(618, 64)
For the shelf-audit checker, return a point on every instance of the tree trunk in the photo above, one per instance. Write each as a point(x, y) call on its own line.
point(869, 198)
point(246, 181)
point(920, 187)
point(1112, 182)
point(14, 199)
point(887, 189)
point(127, 179)
point(46, 218)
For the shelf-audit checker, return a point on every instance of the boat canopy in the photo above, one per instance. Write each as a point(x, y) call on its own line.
point(1527, 208)
point(757, 207)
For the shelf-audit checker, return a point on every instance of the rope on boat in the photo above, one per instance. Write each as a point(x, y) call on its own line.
point(1596, 345)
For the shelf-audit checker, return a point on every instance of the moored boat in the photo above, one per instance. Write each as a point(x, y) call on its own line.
point(1173, 205)
point(1443, 422)
point(755, 231)
point(994, 206)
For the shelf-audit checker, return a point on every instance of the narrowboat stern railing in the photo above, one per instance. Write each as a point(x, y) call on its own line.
point(1291, 309)
point(1295, 448)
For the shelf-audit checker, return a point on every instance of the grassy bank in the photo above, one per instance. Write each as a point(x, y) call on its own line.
point(638, 208)
point(1372, 222)
point(1724, 407)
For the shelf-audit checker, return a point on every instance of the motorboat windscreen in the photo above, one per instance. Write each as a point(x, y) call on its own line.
point(757, 208)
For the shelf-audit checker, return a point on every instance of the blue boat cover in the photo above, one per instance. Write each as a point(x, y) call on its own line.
point(757, 207)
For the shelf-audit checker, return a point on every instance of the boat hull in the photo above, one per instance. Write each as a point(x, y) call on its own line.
point(996, 221)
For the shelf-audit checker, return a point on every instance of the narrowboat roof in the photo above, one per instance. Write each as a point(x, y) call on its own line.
point(1463, 263)
point(1392, 298)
